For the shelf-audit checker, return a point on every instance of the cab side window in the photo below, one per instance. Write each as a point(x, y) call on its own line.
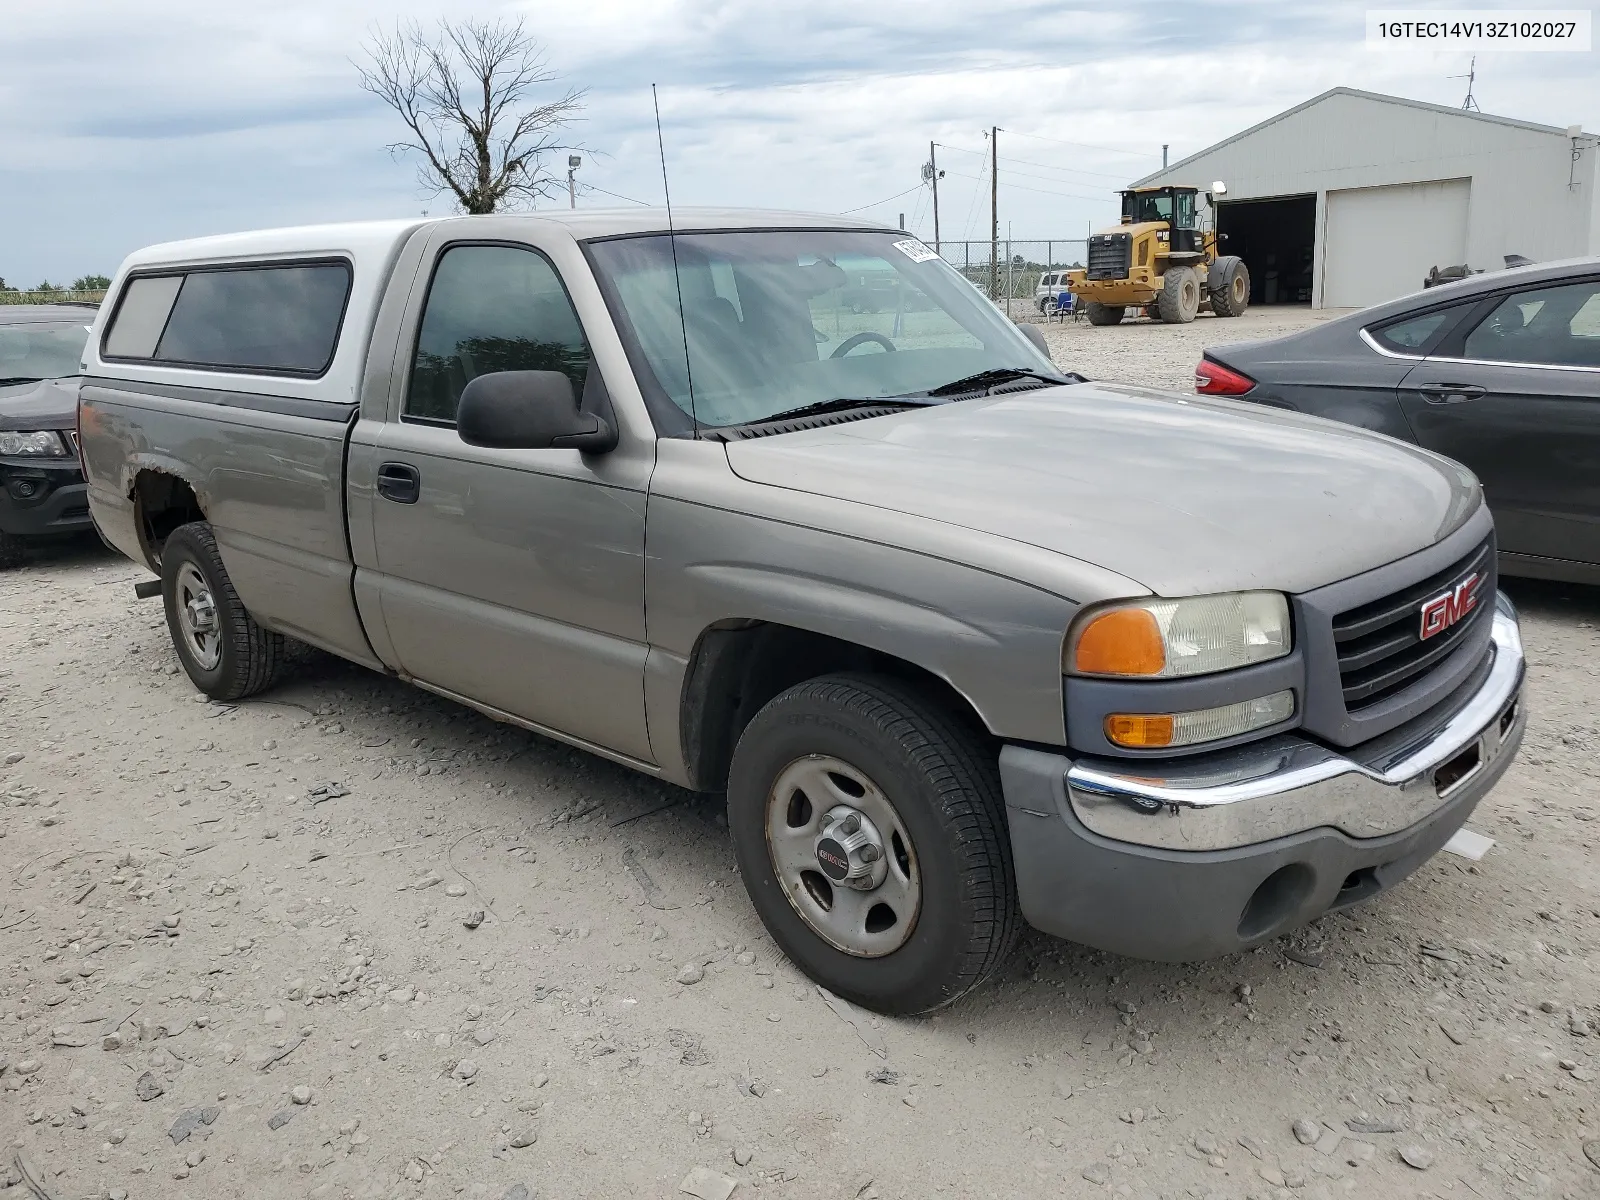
point(491, 308)
point(1553, 326)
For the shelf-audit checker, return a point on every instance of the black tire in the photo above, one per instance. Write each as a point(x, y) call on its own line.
point(941, 773)
point(1104, 314)
point(1229, 283)
point(13, 551)
point(250, 658)
point(1179, 300)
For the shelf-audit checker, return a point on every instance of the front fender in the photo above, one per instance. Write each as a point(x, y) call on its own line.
point(995, 641)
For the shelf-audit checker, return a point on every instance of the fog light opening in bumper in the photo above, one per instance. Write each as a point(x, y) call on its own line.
point(1458, 769)
point(1276, 901)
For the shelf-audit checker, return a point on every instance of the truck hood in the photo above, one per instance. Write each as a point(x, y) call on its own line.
point(48, 404)
point(1183, 494)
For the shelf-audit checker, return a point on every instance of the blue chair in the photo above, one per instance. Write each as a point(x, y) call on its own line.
point(1063, 306)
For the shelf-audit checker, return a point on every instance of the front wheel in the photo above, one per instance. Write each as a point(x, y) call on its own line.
point(870, 833)
point(223, 651)
point(1179, 300)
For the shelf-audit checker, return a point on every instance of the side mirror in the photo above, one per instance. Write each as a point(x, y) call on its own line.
point(1035, 335)
point(529, 410)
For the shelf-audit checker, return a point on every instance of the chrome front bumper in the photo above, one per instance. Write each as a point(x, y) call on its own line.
point(1286, 784)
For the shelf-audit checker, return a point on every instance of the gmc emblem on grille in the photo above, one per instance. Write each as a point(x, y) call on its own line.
point(1450, 607)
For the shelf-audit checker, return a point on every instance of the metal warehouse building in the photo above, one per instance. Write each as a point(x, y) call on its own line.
point(1348, 199)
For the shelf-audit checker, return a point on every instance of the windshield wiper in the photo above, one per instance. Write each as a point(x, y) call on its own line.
point(984, 380)
point(20, 379)
point(844, 404)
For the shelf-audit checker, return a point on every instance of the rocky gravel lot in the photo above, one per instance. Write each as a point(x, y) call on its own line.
point(1155, 355)
point(349, 940)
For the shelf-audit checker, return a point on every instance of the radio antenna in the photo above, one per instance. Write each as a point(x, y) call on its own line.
point(677, 278)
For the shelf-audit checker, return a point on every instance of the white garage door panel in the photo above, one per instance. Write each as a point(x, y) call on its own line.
point(1381, 241)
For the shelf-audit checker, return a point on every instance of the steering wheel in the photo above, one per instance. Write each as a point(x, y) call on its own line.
point(861, 339)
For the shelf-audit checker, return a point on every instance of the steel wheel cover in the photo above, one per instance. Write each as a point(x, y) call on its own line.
point(864, 922)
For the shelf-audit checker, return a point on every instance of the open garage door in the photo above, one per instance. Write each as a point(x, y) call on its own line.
point(1381, 241)
point(1275, 238)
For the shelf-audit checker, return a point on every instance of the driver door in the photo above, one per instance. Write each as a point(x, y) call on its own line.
point(513, 579)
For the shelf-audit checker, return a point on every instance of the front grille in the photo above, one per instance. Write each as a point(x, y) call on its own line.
point(1110, 255)
point(1380, 645)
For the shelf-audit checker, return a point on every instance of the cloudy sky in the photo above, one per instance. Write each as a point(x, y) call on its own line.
point(126, 122)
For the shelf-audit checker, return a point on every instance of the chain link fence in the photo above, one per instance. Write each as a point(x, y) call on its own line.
point(1012, 279)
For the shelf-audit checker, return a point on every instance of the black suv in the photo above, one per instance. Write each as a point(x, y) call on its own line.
point(41, 484)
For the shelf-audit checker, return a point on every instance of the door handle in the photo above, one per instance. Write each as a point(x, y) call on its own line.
point(399, 482)
point(1450, 393)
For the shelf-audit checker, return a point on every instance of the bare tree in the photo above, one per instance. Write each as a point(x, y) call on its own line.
point(468, 96)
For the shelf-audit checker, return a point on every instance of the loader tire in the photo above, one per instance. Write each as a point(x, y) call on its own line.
point(1104, 314)
point(1229, 284)
point(1180, 295)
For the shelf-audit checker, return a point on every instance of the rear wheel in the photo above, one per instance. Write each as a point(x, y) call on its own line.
point(1229, 284)
point(870, 834)
point(223, 651)
point(1104, 314)
point(1179, 300)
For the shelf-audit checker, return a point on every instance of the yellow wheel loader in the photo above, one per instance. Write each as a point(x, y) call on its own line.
point(1161, 262)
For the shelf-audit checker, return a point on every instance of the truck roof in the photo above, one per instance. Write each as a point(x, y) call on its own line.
point(378, 237)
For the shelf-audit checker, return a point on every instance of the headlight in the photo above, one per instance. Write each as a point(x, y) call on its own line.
point(39, 443)
point(1168, 639)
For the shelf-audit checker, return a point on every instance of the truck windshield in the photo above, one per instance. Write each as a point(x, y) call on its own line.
point(41, 350)
point(778, 320)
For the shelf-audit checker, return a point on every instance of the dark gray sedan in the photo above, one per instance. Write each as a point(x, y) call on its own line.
point(41, 486)
point(1499, 371)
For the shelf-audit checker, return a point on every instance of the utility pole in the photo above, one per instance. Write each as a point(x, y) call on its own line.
point(574, 161)
point(994, 212)
point(933, 177)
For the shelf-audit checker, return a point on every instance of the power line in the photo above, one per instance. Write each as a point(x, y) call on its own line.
point(1024, 188)
point(875, 203)
point(614, 195)
point(1090, 146)
point(976, 192)
point(1047, 179)
point(1035, 163)
point(1067, 170)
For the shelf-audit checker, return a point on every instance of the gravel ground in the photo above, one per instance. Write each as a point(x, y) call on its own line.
point(349, 940)
point(1156, 355)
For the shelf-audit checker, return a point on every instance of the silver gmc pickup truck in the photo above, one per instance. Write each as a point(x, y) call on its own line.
point(965, 639)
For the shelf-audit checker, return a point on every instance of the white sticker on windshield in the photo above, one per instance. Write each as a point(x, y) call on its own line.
point(915, 250)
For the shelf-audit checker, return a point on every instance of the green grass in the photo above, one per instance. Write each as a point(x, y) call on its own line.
point(16, 297)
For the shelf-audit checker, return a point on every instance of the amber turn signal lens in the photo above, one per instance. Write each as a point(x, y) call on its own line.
point(1124, 641)
point(1139, 731)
